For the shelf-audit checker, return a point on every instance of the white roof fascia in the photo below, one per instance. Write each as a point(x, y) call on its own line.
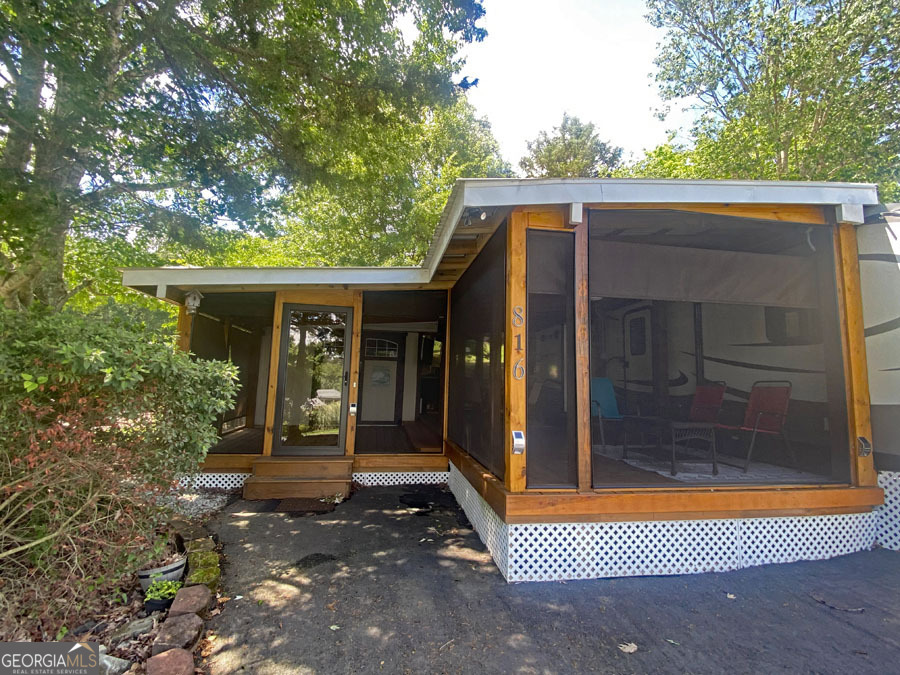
point(450, 216)
point(272, 276)
point(521, 192)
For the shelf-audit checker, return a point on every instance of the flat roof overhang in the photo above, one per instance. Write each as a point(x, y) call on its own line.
point(847, 199)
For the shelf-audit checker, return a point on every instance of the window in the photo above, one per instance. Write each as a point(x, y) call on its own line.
point(637, 336)
point(377, 348)
point(789, 326)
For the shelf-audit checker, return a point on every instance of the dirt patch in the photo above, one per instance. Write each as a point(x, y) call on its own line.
point(435, 502)
point(307, 562)
point(303, 507)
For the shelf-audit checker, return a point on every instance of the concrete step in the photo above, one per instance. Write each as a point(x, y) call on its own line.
point(287, 487)
point(304, 467)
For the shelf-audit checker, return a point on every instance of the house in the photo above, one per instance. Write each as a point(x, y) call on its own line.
point(615, 377)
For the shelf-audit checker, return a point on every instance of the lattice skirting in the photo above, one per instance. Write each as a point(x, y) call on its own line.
point(889, 515)
point(557, 551)
point(370, 478)
point(225, 481)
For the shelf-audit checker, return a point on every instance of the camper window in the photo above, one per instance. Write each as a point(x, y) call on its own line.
point(788, 326)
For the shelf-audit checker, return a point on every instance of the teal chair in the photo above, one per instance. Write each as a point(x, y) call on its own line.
point(603, 404)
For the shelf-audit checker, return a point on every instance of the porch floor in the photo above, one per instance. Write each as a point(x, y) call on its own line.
point(395, 581)
point(649, 464)
point(246, 441)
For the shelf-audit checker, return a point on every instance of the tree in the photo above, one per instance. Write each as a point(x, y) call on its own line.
point(572, 150)
point(175, 117)
point(787, 89)
point(385, 217)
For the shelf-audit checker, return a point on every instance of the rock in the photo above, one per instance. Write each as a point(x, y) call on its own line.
point(171, 662)
point(84, 628)
point(111, 665)
point(178, 632)
point(201, 559)
point(186, 531)
point(132, 629)
point(191, 600)
point(208, 576)
point(195, 545)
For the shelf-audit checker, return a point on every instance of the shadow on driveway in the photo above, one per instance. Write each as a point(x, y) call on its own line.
point(395, 581)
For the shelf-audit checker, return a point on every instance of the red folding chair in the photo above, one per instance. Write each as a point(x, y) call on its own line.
point(766, 413)
point(701, 422)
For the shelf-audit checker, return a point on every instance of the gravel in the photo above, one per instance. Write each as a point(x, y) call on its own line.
point(196, 503)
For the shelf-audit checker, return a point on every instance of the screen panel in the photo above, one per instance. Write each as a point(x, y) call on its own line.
point(551, 443)
point(477, 332)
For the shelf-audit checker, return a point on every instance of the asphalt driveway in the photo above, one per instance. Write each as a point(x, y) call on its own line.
point(395, 581)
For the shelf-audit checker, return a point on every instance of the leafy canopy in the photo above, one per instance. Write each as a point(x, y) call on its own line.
point(571, 150)
point(179, 115)
point(388, 216)
point(786, 89)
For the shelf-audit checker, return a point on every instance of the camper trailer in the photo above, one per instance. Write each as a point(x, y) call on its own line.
point(614, 377)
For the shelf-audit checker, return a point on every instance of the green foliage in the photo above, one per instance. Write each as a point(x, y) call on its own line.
point(571, 150)
point(386, 215)
point(162, 590)
point(176, 117)
point(99, 415)
point(804, 89)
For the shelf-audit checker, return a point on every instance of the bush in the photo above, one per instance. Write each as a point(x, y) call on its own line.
point(99, 415)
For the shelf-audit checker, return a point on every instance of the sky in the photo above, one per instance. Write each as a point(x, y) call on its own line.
point(590, 58)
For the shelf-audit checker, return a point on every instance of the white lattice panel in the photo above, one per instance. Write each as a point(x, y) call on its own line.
point(888, 516)
point(370, 478)
point(557, 551)
point(550, 552)
point(491, 529)
point(224, 481)
point(780, 540)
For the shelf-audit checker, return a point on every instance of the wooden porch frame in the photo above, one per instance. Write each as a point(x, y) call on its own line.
point(553, 217)
point(687, 503)
point(338, 298)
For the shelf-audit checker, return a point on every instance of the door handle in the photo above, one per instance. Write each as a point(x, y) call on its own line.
point(346, 378)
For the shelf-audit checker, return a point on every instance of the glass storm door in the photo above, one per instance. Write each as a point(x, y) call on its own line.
point(311, 400)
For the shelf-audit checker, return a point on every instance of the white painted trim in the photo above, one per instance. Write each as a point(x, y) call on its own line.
point(520, 192)
point(271, 276)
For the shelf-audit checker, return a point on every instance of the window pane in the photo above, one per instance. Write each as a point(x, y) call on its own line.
point(313, 379)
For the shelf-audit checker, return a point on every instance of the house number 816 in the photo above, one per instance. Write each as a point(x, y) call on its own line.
point(518, 320)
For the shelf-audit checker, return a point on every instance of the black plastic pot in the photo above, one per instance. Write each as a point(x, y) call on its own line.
point(157, 605)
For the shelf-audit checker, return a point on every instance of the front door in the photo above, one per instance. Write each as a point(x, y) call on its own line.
point(311, 400)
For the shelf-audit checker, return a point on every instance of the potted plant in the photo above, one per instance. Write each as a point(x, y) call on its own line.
point(160, 594)
point(168, 565)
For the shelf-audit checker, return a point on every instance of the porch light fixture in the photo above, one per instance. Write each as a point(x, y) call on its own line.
point(192, 301)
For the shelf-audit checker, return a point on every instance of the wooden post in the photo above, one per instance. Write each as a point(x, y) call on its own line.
point(269, 430)
point(856, 367)
point(445, 359)
point(583, 355)
point(185, 326)
point(355, 356)
point(515, 348)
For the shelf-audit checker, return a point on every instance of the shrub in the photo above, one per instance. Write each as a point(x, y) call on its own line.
point(99, 415)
